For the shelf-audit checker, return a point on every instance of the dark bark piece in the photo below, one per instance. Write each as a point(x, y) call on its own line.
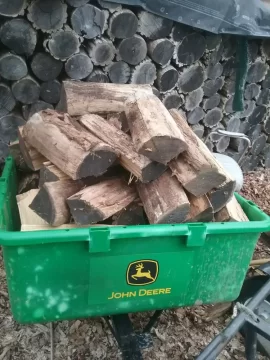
point(212, 41)
point(195, 116)
point(80, 98)
point(213, 117)
point(132, 50)
point(253, 49)
point(198, 129)
point(167, 78)
point(231, 212)
point(7, 100)
point(88, 21)
point(200, 209)
point(119, 72)
point(45, 67)
point(252, 91)
point(12, 8)
point(100, 201)
point(232, 124)
point(54, 135)
point(196, 168)
point(132, 214)
point(62, 44)
point(12, 67)
point(190, 49)
point(144, 73)
point(194, 99)
point(264, 97)
point(101, 51)
point(161, 51)
point(153, 130)
point(154, 27)
point(229, 67)
point(50, 91)
point(257, 72)
point(266, 81)
point(123, 24)
point(222, 144)
point(267, 125)
point(76, 3)
point(164, 200)
point(258, 144)
point(211, 87)
point(222, 195)
point(30, 110)
point(50, 202)
point(214, 71)
point(26, 90)
point(140, 166)
point(212, 102)
point(249, 107)
point(258, 115)
point(18, 35)
point(191, 78)
point(112, 7)
point(9, 126)
point(179, 31)
point(98, 76)
point(172, 100)
point(79, 66)
point(47, 15)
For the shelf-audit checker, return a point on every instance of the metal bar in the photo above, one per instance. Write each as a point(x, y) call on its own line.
point(250, 342)
point(260, 327)
point(152, 321)
point(220, 342)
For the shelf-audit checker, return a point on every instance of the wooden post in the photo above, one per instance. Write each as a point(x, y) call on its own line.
point(153, 130)
point(54, 136)
point(101, 51)
point(63, 43)
point(7, 100)
point(123, 24)
point(196, 169)
point(190, 49)
point(79, 66)
point(144, 73)
point(191, 78)
point(119, 72)
point(88, 21)
point(161, 51)
point(50, 202)
point(167, 78)
point(26, 90)
point(30, 110)
point(140, 166)
point(47, 15)
point(9, 126)
point(154, 27)
point(84, 98)
point(12, 8)
point(194, 99)
point(50, 91)
point(164, 200)
point(231, 212)
point(200, 209)
point(19, 36)
point(99, 202)
point(45, 67)
point(132, 50)
point(98, 76)
point(12, 67)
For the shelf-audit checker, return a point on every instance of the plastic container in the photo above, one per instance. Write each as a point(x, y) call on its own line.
point(68, 274)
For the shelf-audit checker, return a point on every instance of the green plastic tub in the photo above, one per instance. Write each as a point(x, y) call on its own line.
point(77, 273)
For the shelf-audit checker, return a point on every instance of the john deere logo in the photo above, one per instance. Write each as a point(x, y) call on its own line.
point(142, 272)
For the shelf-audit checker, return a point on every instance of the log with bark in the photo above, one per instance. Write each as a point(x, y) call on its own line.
point(190, 49)
point(214, 71)
point(231, 212)
point(194, 99)
point(257, 71)
point(51, 173)
point(222, 194)
point(213, 117)
point(196, 169)
point(98, 76)
point(144, 73)
point(252, 91)
point(12, 8)
point(198, 129)
point(123, 24)
point(132, 214)
point(195, 116)
point(101, 51)
point(211, 102)
point(161, 51)
point(172, 100)
point(79, 98)
point(9, 126)
point(132, 50)
point(7, 100)
point(62, 141)
point(50, 91)
point(191, 78)
point(167, 78)
point(154, 27)
point(164, 200)
point(140, 166)
point(100, 201)
point(119, 72)
point(153, 129)
point(211, 87)
point(26, 90)
point(45, 67)
point(30, 110)
point(79, 66)
point(201, 209)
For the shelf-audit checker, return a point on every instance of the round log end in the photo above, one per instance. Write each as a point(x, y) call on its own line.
point(95, 164)
point(42, 205)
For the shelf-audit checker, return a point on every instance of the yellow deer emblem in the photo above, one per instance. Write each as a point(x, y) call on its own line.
point(140, 274)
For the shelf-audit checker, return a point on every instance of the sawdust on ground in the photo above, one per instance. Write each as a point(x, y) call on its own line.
point(179, 334)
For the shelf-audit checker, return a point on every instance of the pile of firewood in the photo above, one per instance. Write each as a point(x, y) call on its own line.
point(116, 155)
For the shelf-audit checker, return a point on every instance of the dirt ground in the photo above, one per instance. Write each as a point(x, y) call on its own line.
point(179, 334)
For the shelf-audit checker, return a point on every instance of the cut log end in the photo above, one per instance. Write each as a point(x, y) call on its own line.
point(152, 171)
point(43, 206)
point(84, 214)
point(222, 195)
point(203, 179)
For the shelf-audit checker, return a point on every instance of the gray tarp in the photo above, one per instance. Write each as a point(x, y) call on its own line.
point(241, 17)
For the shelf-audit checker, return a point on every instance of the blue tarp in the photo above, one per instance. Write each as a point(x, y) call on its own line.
point(239, 17)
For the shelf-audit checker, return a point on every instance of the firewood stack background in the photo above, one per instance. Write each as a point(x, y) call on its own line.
point(44, 42)
point(116, 155)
